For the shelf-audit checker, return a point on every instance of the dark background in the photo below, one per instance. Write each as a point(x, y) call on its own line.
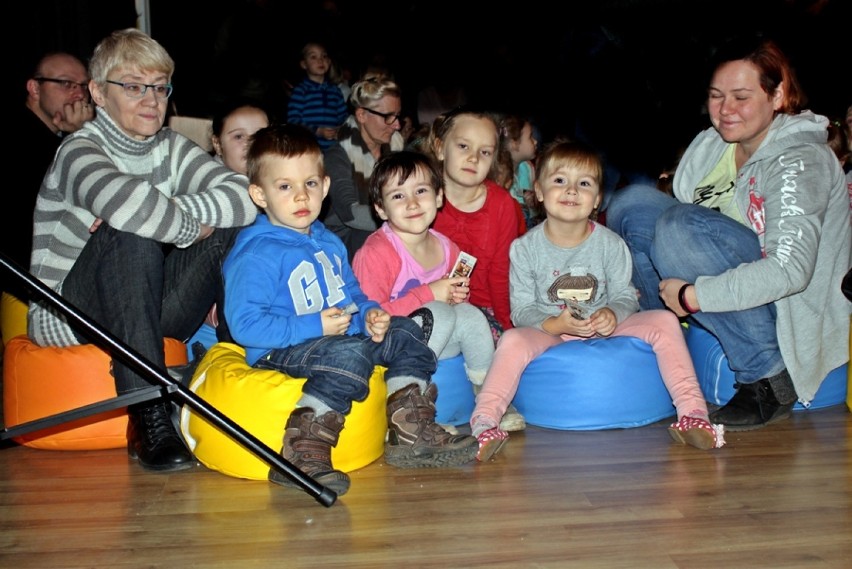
point(627, 75)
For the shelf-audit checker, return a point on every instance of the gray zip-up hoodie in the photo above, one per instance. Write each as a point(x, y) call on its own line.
point(793, 195)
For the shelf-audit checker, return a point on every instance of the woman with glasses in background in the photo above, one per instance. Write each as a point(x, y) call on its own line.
point(370, 132)
point(131, 224)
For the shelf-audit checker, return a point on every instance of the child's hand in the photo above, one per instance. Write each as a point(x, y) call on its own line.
point(603, 321)
point(451, 290)
point(565, 323)
point(327, 132)
point(575, 326)
point(377, 323)
point(335, 322)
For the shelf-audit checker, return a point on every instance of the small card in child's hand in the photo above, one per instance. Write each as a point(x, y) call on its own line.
point(464, 265)
point(350, 308)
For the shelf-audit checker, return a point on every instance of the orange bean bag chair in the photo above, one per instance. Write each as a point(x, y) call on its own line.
point(39, 382)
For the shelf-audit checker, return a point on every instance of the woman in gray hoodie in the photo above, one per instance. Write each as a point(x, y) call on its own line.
point(756, 240)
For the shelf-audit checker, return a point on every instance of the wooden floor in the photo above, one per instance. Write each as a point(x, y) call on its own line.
point(780, 497)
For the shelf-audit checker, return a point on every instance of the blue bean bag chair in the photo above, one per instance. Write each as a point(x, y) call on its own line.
point(717, 380)
point(602, 383)
point(206, 334)
point(455, 393)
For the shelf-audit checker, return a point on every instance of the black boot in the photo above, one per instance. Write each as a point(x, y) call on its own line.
point(756, 405)
point(153, 440)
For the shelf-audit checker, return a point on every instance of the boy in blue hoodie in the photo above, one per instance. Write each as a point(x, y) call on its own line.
point(294, 303)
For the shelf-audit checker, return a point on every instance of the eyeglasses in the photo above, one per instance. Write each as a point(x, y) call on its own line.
point(65, 84)
point(139, 90)
point(389, 118)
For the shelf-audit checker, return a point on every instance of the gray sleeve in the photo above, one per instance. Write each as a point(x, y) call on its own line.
point(797, 185)
point(524, 285)
point(343, 195)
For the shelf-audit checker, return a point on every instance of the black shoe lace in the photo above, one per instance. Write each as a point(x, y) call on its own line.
point(159, 429)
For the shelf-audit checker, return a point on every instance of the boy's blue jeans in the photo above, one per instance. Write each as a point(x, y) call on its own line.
point(142, 291)
point(338, 368)
point(668, 239)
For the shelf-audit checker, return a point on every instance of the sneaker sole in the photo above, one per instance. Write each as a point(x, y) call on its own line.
point(699, 438)
point(490, 449)
point(403, 457)
point(743, 428)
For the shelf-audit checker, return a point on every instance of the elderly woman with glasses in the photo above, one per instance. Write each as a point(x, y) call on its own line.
point(371, 131)
point(132, 222)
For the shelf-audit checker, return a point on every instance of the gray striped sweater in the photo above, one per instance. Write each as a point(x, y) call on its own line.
point(162, 188)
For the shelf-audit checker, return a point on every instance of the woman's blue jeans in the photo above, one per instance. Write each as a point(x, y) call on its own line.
point(338, 368)
point(141, 291)
point(668, 239)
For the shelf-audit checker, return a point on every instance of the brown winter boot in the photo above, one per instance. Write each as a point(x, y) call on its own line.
point(307, 444)
point(415, 440)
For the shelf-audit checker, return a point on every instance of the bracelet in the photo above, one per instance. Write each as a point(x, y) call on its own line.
point(681, 298)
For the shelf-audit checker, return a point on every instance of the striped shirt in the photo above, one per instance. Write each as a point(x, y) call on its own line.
point(162, 188)
point(317, 104)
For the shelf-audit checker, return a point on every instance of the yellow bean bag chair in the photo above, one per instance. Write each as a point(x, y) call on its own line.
point(39, 382)
point(13, 317)
point(260, 402)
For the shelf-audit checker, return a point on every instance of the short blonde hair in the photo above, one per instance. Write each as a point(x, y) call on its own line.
point(128, 48)
point(370, 90)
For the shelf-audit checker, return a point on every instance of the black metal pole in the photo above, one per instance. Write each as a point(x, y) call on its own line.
point(131, 357)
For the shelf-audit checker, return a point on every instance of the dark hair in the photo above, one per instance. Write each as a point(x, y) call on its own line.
point(401, 166)
point(228, 108)
point(838, 140)
point(282, 140)
point(773, 65)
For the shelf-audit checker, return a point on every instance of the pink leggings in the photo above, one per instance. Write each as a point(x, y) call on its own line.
point(519, 346)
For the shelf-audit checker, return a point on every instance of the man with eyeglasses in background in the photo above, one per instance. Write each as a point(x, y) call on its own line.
point(59, 104)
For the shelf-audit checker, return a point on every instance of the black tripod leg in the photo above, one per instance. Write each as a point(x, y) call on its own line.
point(143, 366)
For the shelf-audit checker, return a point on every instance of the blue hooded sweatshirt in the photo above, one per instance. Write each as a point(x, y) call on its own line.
point(277, 281)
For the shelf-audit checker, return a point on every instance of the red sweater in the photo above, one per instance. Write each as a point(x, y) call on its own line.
point(486, 234)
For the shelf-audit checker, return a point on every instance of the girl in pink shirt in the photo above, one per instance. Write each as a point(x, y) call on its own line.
point(406, 267)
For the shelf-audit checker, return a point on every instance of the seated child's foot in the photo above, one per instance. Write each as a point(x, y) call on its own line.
point(512, 420)
point(698, 432)
point(415, 440)
point(308, 441)
point(490, 443)
point(449, 428)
